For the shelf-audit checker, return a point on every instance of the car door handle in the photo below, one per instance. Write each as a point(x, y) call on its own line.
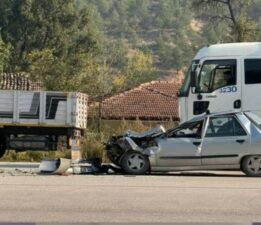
point(196, 143)
point(240, 141)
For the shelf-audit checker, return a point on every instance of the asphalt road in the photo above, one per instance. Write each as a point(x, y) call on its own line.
point(188, 197)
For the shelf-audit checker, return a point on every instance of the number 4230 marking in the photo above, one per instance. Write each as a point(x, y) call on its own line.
point(228, 89)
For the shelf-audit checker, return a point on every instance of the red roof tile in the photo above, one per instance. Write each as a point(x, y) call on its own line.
point(150, 101)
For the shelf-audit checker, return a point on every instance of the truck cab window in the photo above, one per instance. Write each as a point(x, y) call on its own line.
point(252, 71)
point(216, 74)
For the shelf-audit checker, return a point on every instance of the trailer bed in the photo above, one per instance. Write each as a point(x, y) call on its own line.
point(43, 109)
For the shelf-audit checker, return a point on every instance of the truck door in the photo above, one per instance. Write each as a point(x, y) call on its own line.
point(218, 87)
point(251, 85)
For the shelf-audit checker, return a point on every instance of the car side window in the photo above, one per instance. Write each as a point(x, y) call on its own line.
point(188, 130)
point(224, 126)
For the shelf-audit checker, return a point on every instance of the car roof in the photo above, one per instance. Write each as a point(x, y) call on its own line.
point(202, 117)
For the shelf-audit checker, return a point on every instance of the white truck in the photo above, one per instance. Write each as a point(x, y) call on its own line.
point(222, 77)
point(34, 120)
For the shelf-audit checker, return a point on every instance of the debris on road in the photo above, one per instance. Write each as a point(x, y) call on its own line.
point(55, 166)
point(59, 166)
point(65, 166)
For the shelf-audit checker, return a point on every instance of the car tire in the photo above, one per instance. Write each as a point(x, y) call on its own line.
point(251, 165)
point(135, 163)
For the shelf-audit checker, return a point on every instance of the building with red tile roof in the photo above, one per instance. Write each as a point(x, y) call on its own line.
point(156, 100)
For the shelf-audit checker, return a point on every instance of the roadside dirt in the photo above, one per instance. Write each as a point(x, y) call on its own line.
point(18, 172)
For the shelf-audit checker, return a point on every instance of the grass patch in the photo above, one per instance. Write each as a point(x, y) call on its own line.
point(33, 156)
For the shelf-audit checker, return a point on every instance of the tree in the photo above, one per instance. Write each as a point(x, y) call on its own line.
point(139, 69)
point(52, 35)
point(234, 12)
point(4, 54)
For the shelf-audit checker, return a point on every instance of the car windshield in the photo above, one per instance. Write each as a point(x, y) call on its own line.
point(187, 129)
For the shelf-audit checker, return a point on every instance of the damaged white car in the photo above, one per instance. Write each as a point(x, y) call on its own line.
point(209, 142)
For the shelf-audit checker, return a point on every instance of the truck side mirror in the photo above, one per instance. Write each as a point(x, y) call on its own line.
point(193, 79)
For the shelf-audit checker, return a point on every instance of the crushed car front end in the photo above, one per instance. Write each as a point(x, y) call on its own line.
point(144, 144)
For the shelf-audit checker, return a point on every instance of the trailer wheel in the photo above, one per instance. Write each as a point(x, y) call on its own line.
point(135, 163)
point(251, 165)
point(2, 148)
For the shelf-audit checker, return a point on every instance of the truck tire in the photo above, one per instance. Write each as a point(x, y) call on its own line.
point(2, 150)
point(2, 145)
point(135, 163)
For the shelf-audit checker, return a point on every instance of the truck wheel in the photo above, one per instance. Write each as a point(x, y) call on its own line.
point(135, 163)
point(2, 147)
point(251, 165)
point(2, 151)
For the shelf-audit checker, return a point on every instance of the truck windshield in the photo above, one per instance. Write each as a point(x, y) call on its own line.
point(216, 74)
point(184, 90)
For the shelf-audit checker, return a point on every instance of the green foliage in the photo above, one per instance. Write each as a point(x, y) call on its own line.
point(235, 14)
point(247, 27)
point(92, 145)
point(140, 23)
point(34, 156)
point(52, 40)
point(139, 69)
point(4, 54)
point(71, 44)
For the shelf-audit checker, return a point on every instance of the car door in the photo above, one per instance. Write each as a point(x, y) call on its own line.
point(225, 140)
point(181, 147)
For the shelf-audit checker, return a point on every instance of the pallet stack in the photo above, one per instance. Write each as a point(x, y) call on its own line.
point(18, 81)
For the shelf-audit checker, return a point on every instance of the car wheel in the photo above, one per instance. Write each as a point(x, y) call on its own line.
point(251, 166)
point(135, 163)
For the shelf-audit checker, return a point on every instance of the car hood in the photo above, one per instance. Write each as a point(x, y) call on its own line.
point(154, 132)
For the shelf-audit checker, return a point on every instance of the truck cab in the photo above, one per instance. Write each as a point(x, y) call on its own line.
point(222, 77)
